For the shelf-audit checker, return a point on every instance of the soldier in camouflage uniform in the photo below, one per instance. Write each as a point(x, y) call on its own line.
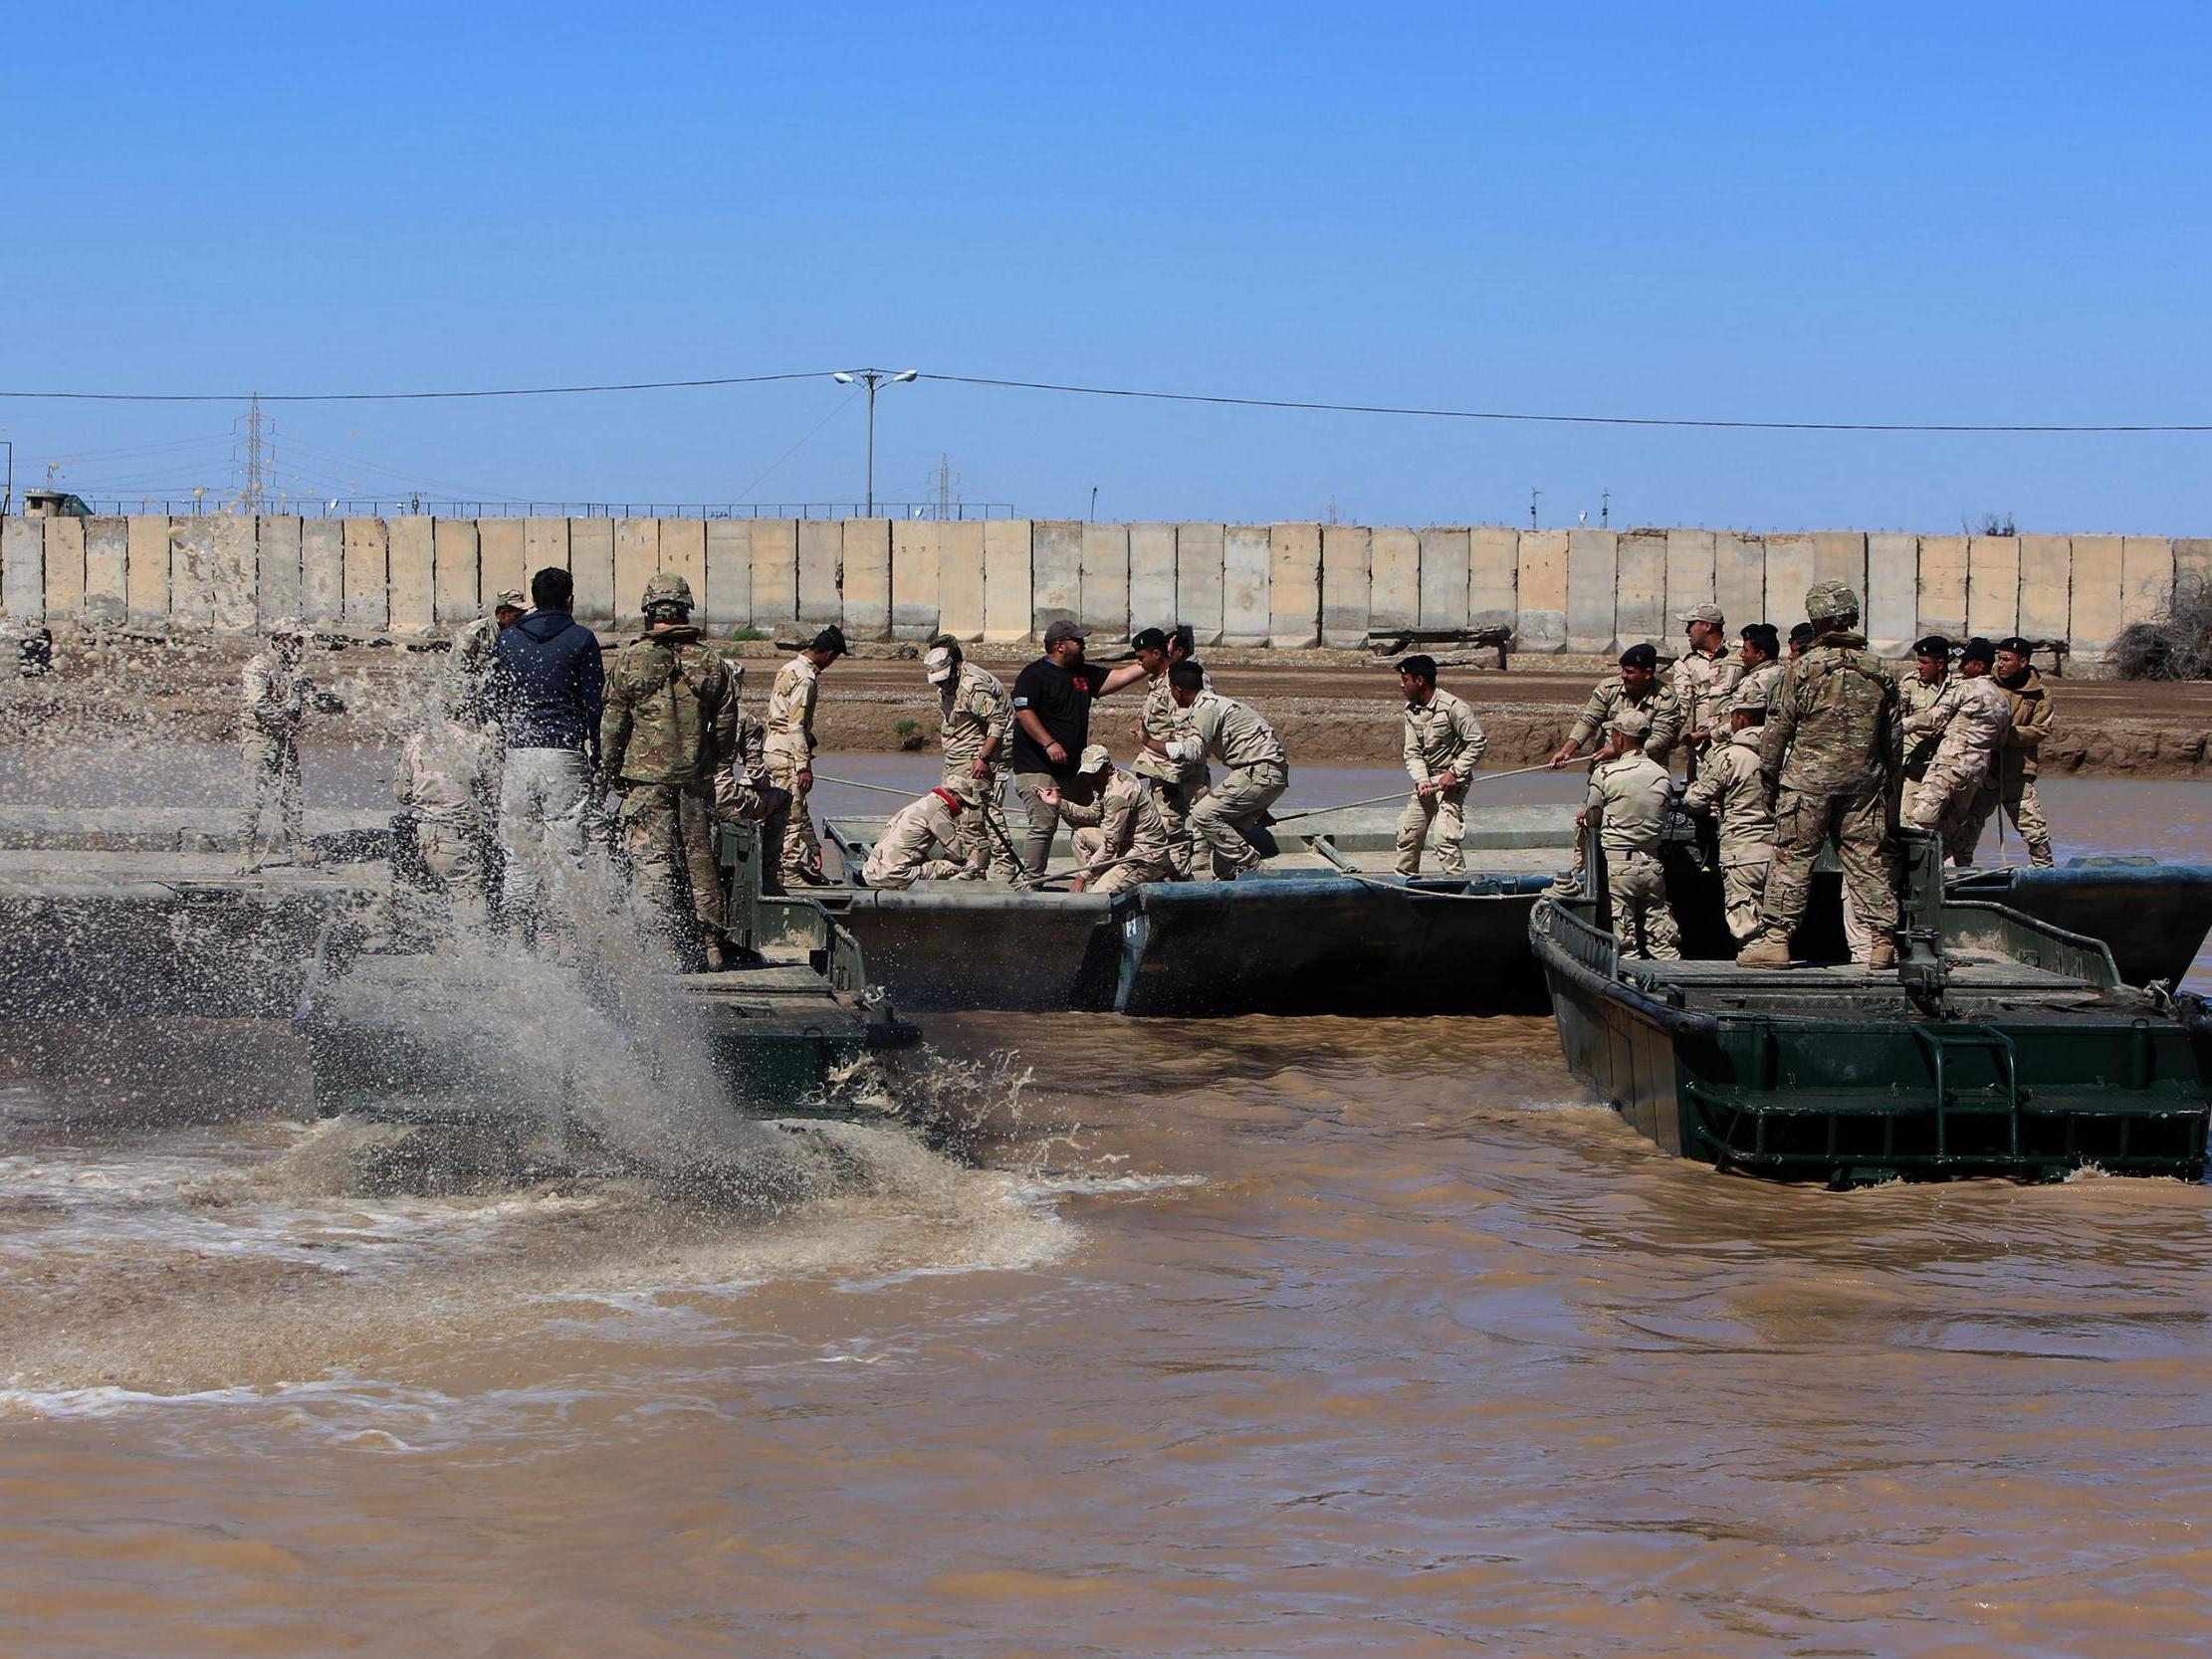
point(1636, 687)
point(1917, 697)
point(1628, 800)
point(1967, 722)
point(668, 730)
point(1177, 786)
point(1705, 681)
point(1444, 743)
point(907, 849)
point(443, 786)
point(1730, 790)
point(2014, 786)
point(1120, 841)
point(743, 795)
point(1833, 754)
point(1759, 653)
point(475, 642)
point(791, 750)
point(976, 727)
point(277, 696)
point(1208, 724)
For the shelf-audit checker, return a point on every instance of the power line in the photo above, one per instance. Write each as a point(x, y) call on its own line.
point(409, 397)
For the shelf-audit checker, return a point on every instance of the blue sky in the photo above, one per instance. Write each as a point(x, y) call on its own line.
point(1965, 213)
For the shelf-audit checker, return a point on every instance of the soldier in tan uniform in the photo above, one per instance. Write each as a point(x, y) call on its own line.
point(1636, 687)
point(1705, 681)
point(1729, 789)
point(1444, 743)
point(1759, 651)
point(668, 729)
point(2014, 786)
point(1177, 786)
point(443, 786)
point(1208, 724)
point(1966, 721)
point(277, 696)
point(1917, 697)
point(743, 795)
point(976, 718)
point(1627, 801)
point(476, 643)
point(1120, 841)
point(791, 752)
point(907, 850)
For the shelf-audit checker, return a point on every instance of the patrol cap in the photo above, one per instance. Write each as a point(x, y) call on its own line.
point(1062, 630)
point(1149, 638)
point(965, 788)
point(508, 599)
point(1421, 667)
point(2018, 645)
point(1977, 650)
point(1095, 759)
point(938, 664)
point(831, 638)
point(1703, 613)
point(1825, 601)
point(1629, 723)
point(1641, 656)
point(1936, 645)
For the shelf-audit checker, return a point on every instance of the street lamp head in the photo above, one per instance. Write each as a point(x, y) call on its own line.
point(842, 378)
point(904, 376)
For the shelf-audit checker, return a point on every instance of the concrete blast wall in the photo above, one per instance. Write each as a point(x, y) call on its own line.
point(1004, 580)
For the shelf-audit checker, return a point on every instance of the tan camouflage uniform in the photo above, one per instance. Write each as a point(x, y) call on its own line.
point(1730, 789)
point(974, 707)
point(1258, 774)
point(2014, 787)
point(791, 750)
point(1915, 699)
point(1120, 833)
point(743, 795)
point(1968, 723)
point(1704, 686)
point(1608, 697)
point(1442, 735)
point(445, 769)
point(902, 854)
point(275, 695)
point(1628, 797)
point(1176, 786)
point(668, 730)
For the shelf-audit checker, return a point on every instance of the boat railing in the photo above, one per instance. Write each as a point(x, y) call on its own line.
point(1982, 923)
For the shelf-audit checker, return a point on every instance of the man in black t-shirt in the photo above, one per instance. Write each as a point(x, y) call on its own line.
point(1052, 727)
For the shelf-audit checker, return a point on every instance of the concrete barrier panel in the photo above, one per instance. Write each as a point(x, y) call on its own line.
point(2193, 561)
point(774, 575)
point(1790, 565)
point(1840, 557)
point(2093, 617)
point(1740, 579)
point(193, 568)
point(2045, 586)
point(1992, 586)
point(591, 563)
point(867, 579)
point(281, 589)
point(1106, 579)
point(65, 569)
point(367, 577)
point(235, 572)
point(725, 588)
point(148, 579)
point(1893, 592)
point(684, 554)
point(106, 564)
point(1689, 576)
point(1198, 551)
point(1942, 587)
point(454, 547)
point(1347, 571)
point(1593, 579)
point(411, 541)
point(1245, 561)
point(960, 578)
point(1006, 588)
point(23, 568)
point(1293, 585)
point(637, 556)
point(1445, 552)
point(322, 570)
point(1393, 580)
point(1540, 590)
point(502, 559)
point(1639, 602)
point(914, 578)
point(544, 545)
point(1493, 569)
point(1055, 573)
point(821, 553)
point(2145, 579)
point(1151, 576)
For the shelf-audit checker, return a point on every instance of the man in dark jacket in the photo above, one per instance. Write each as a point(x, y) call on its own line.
point(549, 687)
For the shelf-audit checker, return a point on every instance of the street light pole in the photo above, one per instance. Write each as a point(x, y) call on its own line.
point(873, 378)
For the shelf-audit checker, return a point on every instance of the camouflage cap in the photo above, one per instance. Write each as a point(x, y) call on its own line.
point(288, 627)
point(1095, 759)
point(1701, 613)
point(969, 789)
point(1629, 722)
point(1825, 601)
point(506, 599)
point(665, 587)
point(938, 666)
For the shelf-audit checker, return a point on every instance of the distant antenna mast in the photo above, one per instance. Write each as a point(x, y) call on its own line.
point(1604, 507)
point(1532, 495)
point(940, 486)
point(255, 458)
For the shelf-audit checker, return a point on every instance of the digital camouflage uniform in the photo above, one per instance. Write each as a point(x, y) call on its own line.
point(1441, 735)
point(1730, 790)
point(743, 795)
point(903, 854)
point(1627, 797)
point(1704, 686)
point(2014, 787)
point(1830, 751)
point(668, 730)
point(1176, 786)
point(1119, 832)
point(974, 707)
point(1258, 774)
point(274, 703)
point(791, 750)
point(1968, 723)
point(442, 783)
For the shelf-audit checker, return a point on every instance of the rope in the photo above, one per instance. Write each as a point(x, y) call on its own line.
point(1400, 795)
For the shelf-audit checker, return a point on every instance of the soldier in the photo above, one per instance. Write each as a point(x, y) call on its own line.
point(1730, 790)
point(669, 728)
point(1966, 722)
point(1176, 786)
point(1832, 753)
point(1931, 670)
point(1801, 641)
point(1628, 800)
point(1760, 653)
point(276, 697)
point(476, 643)
point(1207, 723)
point(1443, 744)
point(975, 720)
point(2014, 786)
point(791, 750)
point(443, 786)
point(1704, 679)
point(1637, 685)
point(1120, 840)
point(904, 852)
point(743, 795)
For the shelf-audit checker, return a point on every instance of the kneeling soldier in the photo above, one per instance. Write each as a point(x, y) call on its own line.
point(909, 848)
point(1120, 839)
point(1627, 799)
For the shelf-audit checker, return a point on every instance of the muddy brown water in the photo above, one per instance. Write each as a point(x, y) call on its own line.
point(1257, 1336)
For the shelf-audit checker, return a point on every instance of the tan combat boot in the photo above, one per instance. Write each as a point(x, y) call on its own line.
point(711, 947)
point(1764, 952)
point(1881, 957)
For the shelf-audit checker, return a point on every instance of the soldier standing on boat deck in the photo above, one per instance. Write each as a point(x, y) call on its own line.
point(1175, 785)
point(1729, 789)
point(1628, 799)
point(1832, 754)
point(2014, 786)
point(1968, 722)
point(1636, 687)
point(976, 724)
point(1443, 744)
point(277, 696)
point(791, 750)
point(1705, 681)
point(1931, 674)
point(744, 794)
point(1760, 653)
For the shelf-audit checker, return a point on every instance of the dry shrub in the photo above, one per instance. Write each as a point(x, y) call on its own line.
point(2176, 647)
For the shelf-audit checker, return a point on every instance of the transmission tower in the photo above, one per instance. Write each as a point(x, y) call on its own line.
point(254, 457)
point(943, 483)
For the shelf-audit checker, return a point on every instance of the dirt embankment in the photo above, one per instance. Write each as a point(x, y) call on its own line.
point(1331, 706)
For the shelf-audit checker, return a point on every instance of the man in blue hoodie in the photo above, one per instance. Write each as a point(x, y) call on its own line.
point(549, 687)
